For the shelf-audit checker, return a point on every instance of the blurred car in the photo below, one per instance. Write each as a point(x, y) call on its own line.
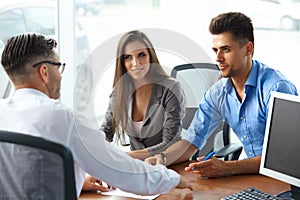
point(270, 14)
point(36, 16)
point(88, 7)
point(19, 16)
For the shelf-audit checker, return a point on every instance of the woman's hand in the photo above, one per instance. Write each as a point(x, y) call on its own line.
point(91, 183)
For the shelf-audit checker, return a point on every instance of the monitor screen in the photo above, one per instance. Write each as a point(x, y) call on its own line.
point(281, 148)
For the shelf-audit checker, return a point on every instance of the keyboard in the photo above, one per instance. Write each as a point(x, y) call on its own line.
point(251, 194)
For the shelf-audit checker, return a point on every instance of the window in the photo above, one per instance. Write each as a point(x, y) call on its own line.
point(102, 22)
point(277, 38)
point(41, 19)
point(11, 22)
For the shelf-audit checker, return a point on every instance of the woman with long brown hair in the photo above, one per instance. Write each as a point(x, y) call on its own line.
point(146, 103)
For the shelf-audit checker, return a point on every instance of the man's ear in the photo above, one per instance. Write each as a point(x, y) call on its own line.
point(249, 48)
point(44, 73)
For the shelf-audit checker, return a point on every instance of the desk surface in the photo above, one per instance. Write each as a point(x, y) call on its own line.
point(212, 189)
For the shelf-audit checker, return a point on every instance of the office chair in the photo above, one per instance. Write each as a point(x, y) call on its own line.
point(196, 79)
point(35, 168)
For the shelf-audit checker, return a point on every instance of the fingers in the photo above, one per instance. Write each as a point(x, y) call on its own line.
point(209, 168)
point(184, 184)
point(183, 195)
point(188, 196)
point(203, 169)
point(110, 187)
point(200, 158)
point(196, 166)
point(105, 185)
point(99, 187)
point(157, 159)
point(151, 160)
point(91, 184)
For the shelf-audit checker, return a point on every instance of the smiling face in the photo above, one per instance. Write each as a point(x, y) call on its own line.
point(232, 57)
point(136, 60)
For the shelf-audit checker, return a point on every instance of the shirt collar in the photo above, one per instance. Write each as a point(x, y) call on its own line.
point(32, 91)
point(251, 80)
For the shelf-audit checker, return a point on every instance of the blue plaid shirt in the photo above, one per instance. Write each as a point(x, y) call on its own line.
point(246, 118)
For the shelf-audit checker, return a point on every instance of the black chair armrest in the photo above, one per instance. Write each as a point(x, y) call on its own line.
point(233, 149)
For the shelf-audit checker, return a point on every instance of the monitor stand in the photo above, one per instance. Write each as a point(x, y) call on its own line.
point(293, 193)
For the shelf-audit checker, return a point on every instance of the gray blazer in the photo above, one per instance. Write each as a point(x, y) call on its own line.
point(162, 123)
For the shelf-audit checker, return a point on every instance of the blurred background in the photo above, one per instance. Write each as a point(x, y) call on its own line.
point(88, 30)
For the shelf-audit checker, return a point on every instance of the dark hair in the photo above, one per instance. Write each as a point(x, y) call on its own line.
point(24, 49)
point(238, 24)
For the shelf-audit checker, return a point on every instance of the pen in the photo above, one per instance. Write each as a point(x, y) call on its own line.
point(208, 156)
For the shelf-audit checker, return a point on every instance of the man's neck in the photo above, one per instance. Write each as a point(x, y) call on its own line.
point(240, 80)
point(31, 86)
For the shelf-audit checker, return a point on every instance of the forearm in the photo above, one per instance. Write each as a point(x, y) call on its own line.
point(246, 166)
point(139, 154)
point(168, 140)
point(179, 152)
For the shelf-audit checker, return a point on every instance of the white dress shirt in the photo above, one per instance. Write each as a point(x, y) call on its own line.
point(32, 112)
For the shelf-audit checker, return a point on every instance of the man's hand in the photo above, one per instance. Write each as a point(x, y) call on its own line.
point(213, 167)
point(184, 184)
point(157, 159)
point(91, 183)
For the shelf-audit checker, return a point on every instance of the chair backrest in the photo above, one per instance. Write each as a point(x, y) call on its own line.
point(196, 79)
point(35, 168)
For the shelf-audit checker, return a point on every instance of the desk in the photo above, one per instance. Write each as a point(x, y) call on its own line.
point(211, 189)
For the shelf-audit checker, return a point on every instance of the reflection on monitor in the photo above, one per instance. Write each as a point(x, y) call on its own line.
point(281, 149)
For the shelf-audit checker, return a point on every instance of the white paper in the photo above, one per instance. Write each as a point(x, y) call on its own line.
point(118, 192)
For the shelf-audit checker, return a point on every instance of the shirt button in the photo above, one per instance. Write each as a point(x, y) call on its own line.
point(242, 118)
point(251, 153)
point(245, 136)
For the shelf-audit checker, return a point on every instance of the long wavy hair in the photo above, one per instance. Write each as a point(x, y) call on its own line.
point(123, 87)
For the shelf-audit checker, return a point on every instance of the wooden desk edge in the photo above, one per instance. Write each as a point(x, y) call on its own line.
point(204, 189)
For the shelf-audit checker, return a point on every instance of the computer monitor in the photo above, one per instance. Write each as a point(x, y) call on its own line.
point(281, 148)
